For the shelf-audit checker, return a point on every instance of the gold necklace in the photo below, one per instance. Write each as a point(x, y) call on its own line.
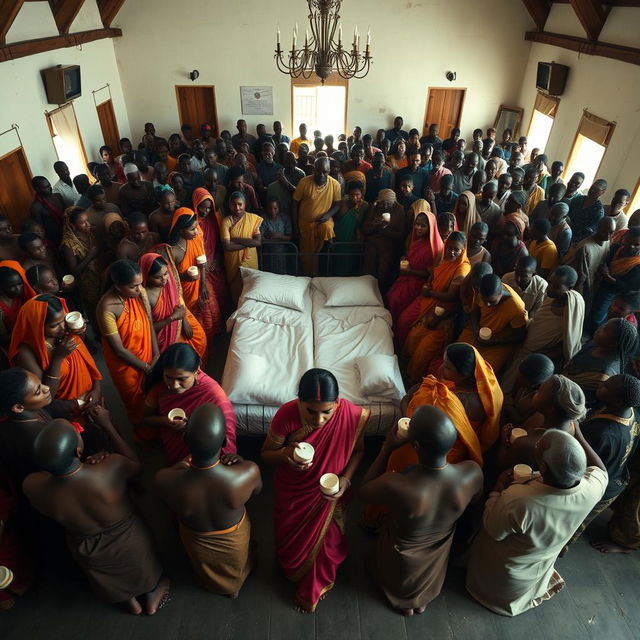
point(193, 466)
point(71, 473)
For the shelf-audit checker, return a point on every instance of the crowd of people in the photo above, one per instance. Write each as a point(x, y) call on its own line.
point(513, 297)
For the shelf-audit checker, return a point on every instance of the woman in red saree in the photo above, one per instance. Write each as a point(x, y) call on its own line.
point(177, 382)
point(186, 246)
point(15, 290)
point(309, 526)
point(210, 221)
point(431, 331)
point(172, 321)
point(424, 250)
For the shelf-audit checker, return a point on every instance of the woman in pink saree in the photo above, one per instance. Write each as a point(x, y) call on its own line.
point(309, 526)
point(425, 248)
point(177, 382)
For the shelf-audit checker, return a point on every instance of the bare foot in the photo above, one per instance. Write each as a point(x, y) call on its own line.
point(406, 612)
point(233, 596)
point(133, 606)
point(157, 598)
point(609, 546)
point(420, 610)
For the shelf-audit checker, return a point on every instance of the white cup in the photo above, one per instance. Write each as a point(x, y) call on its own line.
point(517, 432)
point(201, 259)
point(6, 577)
point(303, 453)
point(485, 333)
point(74, 320)
point(329, 484)
point(174, 414)
point(522, 471)
point(386, 217)
point(404, 264)
point(439, 311)
point(68, 280)
point(193, 271)
point(403, 427)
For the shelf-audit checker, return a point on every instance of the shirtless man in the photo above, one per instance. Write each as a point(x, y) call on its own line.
point(104, 533)
point(209, 500)
point(139, 239)
point(425, 501)
point(160, 219)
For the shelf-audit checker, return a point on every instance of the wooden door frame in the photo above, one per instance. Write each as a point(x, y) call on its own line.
point(426, 105)
point(115, 120)
point(334, 80)
point(20, 148)
point(215, 102)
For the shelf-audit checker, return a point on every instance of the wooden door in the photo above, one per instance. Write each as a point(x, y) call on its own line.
point(196, 106)
point(16, 194)
point(109, 126)
point(444, 108)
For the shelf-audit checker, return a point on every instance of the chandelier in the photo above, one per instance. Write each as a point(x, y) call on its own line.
point(321, 53)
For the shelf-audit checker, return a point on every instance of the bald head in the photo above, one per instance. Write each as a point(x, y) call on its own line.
point(57, 447)
point(205, 433)
point(433, 430)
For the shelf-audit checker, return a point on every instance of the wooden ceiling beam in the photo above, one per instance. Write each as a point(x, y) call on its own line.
point(539, 11)
point(65, 12)
point(592, 15)
point(609, 3)
point(109, 10)
point(40, 45)
point(8, 11)
point(589, 47)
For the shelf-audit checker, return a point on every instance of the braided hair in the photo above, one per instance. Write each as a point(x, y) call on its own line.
point(627, 342)
point(629, 389)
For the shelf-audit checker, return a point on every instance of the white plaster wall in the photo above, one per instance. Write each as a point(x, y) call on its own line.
point(607, 88)
point(22, 95)
point(232, 43)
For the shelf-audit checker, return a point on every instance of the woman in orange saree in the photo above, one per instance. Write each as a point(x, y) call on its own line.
point(433, 330)
point(128, 339)
point(186, 247)
point(310, 540)
point(467, 390)
point(210, 221)
point(172, 321)
point(41, 344)
point(15, 290)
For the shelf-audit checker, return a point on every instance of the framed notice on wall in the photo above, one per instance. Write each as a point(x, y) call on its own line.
point(256, 101)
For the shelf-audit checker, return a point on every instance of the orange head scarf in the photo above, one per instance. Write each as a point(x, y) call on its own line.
point(621, 265)
point(199, 196)
point(435, 239)
point(27, 292)
point(78, 370)
point(178, 213)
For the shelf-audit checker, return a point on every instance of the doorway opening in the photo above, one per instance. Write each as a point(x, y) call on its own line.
point(320, 107)
point(444, 108)
point(197, 106)
point(65, 134)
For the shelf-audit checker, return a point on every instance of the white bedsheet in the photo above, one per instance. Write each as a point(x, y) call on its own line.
point(271, 347)
point(343, 334)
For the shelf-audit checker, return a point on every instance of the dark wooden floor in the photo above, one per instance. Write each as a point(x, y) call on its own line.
point(600, 601)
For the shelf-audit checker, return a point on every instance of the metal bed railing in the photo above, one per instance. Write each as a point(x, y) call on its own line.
point(338, 259)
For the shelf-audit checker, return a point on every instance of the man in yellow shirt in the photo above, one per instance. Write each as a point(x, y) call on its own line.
point(533, 191)
point(296, 142)
point(316, 200)
point(542, 248)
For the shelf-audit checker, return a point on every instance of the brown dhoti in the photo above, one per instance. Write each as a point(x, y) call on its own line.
point(120, 561)
point(411, 571)
point(220, 558)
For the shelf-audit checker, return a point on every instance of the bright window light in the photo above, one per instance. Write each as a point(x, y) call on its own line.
point(586, 157)
point(321, 108)
point(539, 131)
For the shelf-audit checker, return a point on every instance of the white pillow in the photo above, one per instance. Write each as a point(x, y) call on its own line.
point(350, 292)
point(380, 376)
point(283, 291)
point(248, 381)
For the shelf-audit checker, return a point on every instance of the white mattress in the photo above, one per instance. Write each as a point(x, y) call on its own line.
point(271, 347)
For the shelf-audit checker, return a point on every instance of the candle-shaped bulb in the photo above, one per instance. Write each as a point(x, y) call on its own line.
point(369, 36)
point(340, 33)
